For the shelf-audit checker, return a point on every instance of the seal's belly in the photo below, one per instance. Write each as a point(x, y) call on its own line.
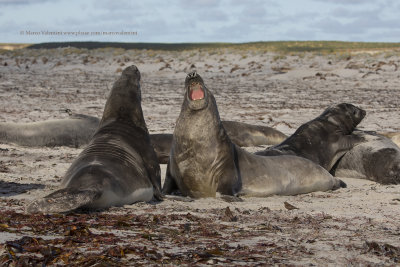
point(111, 198)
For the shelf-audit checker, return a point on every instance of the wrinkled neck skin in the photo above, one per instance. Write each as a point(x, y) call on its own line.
point(124, 103)
point(198, 125)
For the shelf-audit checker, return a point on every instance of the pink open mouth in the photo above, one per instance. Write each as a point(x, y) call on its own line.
point(196, 92)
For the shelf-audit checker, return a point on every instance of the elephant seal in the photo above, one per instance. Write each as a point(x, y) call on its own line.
point(395, 136)
point(244, 134)
point(240, 133)
point(75, 131)
point(162, 146)
point(119, 165)
point(376, 159)
point(204, 161)
point(324, 139)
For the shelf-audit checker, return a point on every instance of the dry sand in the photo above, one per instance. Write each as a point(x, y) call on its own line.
point(358, 225)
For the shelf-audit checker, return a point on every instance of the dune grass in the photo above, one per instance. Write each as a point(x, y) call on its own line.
point(274, 46)
point(13, 46)
point(282, 49)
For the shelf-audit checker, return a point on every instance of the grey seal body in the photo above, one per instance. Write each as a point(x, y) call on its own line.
point(376, 159)
point(245, 135)
point(325, 139)
point(76, 131)
point(241, 134)
point(119, 165)
point(162, 146)
point(204, 161)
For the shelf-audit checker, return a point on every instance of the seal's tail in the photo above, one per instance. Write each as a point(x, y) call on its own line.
point(63, 200)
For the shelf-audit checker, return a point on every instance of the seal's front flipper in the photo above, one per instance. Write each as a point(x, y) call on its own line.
point(179, 198)
point(169, 183)
point(63, 200)
point(229, 199)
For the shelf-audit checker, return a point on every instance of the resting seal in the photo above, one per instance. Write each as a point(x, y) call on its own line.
point(395, 136)
point(119, 165)
point(240, 133)
point(75, 131)
point(244, 134)
point(204, 161)
point(324, 139)
point(376, 159)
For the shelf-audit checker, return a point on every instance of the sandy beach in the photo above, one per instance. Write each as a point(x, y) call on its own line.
point(358, 225)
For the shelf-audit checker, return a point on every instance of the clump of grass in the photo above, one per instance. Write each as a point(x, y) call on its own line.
point(73, 51)
point(118, 51)
point(278, 57)
point(343, 56)
point(390, 54)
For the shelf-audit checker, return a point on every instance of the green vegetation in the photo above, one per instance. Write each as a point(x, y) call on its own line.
point(281, 49)
point(11, 46)
point(323, 47)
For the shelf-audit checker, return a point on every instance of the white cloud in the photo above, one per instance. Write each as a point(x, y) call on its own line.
point(346, 2)
point(22, 2)
point(206, 20)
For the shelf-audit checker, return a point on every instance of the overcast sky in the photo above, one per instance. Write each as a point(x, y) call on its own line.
point(199, 20)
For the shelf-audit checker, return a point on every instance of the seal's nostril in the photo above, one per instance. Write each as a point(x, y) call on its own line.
point(192, 74)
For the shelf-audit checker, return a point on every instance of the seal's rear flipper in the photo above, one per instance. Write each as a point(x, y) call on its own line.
point(339, 184)
point(63, 200)
point(342, 184)
point(169, 183)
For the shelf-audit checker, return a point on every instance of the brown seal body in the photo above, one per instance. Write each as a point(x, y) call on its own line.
point(325, 139)
point(204, 161)
point(119, 165)
point(377, 158)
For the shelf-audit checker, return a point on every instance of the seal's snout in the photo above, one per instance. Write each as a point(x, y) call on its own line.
point(193, 74)
point(193, 77)
point(132, 72)
point(363, 113)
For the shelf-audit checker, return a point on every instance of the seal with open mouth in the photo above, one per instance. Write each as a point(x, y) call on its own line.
point(204, 161)
point(119, 165)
